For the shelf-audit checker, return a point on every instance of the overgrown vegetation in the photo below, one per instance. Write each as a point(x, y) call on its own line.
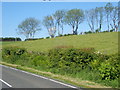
point(83, 63)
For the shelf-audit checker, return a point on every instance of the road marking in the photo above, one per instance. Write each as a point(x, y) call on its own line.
point(41, 77)
point(62, 83)
point(5, 83)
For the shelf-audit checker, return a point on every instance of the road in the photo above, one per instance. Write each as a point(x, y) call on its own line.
point(14, 78)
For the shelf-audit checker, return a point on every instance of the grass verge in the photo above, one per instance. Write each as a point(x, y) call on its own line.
point(63, 78)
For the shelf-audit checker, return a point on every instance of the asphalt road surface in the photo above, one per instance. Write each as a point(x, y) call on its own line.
point(14, 78)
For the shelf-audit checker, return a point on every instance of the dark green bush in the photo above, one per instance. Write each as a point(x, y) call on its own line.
point(12, 54)
point(13, 51)
point(47, 37)
point(10, 39)
point(89, 32)
point(112, 30)
point(70, 60)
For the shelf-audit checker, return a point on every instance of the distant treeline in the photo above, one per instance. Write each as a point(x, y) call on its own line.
point(10, 39)
point(30, 39)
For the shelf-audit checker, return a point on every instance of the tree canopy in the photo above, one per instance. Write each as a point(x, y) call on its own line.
point(73, 18)
point(29, 27)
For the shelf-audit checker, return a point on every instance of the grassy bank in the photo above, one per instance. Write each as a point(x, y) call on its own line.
point(82, 60)
point(106, 43)
point(84, 64)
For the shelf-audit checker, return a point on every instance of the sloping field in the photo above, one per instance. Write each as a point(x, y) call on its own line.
point(106, 43)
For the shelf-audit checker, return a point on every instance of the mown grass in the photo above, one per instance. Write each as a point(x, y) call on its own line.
point(107, 43)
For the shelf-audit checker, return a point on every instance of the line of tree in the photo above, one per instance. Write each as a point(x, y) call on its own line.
point(95, 19)
point(10, 39)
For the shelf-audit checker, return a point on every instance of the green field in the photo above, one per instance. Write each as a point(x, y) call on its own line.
point(106, 43)
point(70, 62)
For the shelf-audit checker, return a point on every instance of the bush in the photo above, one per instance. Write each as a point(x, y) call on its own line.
point(97, 30)
point(110, 69)
point(70, 60)
point(10, 39)
point(68, 34)
point(112, 30)
point(13, 51)
point(59, 35)
point(67, 60)
point(39, 61)
point(47, 37)
point(31, 39)
point(105, 31)
point(40, 38)
point(88, 32)
point(11, 54)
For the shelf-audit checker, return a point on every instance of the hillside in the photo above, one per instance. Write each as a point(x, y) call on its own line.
point(106, 43)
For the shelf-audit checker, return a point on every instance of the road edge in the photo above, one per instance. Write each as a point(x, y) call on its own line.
point(28, 70)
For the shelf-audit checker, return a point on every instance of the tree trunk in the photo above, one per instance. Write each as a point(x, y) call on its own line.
point(62, 29)
point(76, 29)
point(58, 30)
point(107, 23)
point(52, 36)
point(100, 27)
point(73, 29)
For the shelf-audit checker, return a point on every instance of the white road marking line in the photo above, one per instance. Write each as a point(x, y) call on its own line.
point(62, 83)
point(41, 77)
point(5, 83)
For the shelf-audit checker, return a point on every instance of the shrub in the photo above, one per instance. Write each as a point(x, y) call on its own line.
point(13, 51)
point(110, 69)
point(31, 39)
point(59, 35)
point(70, 60)
point(39, 61)
point(88, 32)
point(67, 60)
point(10, 39)
point(105, 31)
point(11, 54)
point(47, 37)
point(112, 30)
point(68, 34)
point(97, 30)
point(40, 38)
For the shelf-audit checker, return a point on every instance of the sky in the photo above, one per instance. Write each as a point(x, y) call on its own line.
point(13, 13)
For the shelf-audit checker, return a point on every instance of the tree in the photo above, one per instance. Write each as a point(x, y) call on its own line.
point(90, 17)
point(49, 23)
point(119, 17)
point(114, 18)
point(59, 17)
point(29, 27)
point(73, 18)
point(108, 10)
point(99, 14)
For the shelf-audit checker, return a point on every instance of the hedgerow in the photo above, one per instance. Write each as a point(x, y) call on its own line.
point(66, 61)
